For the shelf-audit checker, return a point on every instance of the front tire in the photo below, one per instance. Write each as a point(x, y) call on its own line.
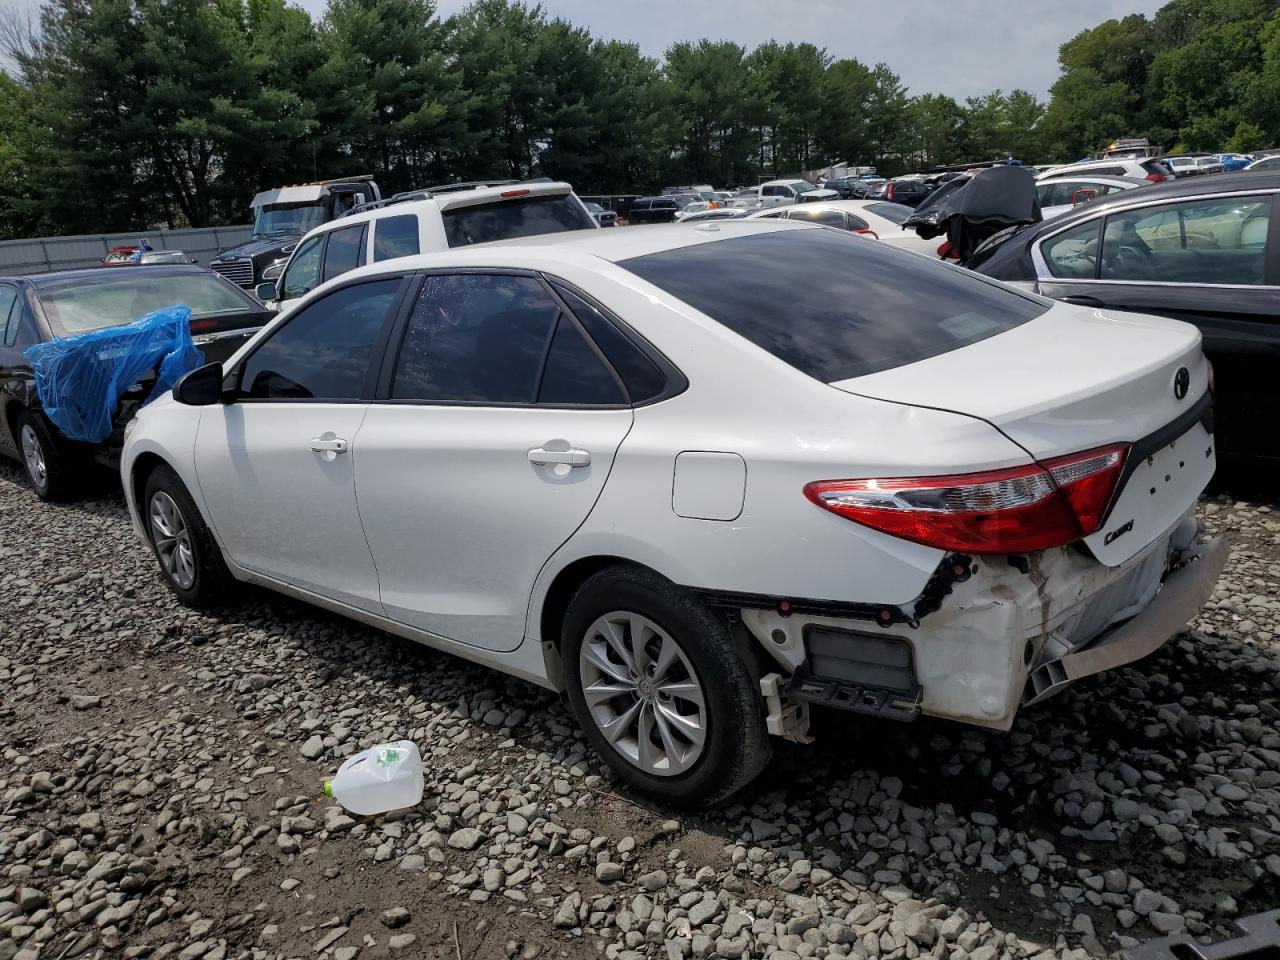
point(190, 561)
point(661, 690)
point(55, 473)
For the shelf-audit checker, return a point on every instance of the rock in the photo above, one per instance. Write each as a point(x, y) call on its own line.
point(81, 701)
point(609, 872)
point(1145, 901)
point(468, 838)
point(401, 941)
point(394, 917)
point(702, 911)
point(413, 863)
point(313, 747)
point(652, 881)
point(1166, 922)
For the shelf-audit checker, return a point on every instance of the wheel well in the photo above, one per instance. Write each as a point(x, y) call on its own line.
point(143, 467)
point(556, 603)
point(12, 410)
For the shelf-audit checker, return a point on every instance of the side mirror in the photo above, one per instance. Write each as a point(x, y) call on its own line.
point(265, 291)
point(201, 387)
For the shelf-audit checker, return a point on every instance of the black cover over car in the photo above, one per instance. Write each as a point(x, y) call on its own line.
point(38, 308)
point(1205, 250)
point(970, 210)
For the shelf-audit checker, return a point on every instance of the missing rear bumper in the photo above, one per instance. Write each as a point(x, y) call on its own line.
point(859, 672)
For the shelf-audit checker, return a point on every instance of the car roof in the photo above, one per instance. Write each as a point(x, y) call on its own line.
point(1099, 178)
point(102, 273)
point(1064, 168)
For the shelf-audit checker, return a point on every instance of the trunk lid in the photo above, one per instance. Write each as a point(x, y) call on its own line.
point(1074, 379)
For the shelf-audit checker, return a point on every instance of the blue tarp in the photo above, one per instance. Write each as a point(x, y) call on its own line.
point(81, 379)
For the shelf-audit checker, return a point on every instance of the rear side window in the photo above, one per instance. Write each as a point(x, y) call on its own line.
point(395, 237)
point(643, 379)
point(1073, 254)
point(827, 218)
point(863, 307)
point(323, 352)
point(574, 373)
point(343, 251)
point(525, 217)
point(894, 212)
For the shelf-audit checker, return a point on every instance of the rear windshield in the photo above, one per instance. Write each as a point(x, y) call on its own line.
point(91, 304)
point(834, 305)
point(508, 219)
point(896, 212)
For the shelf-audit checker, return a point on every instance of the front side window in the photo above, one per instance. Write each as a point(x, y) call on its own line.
point(863, 307)
point(324, 351)
point(344, 250)
point(1215, 240)
point(395, 237)
point(303, 273)
point(1073, 254)
point(524, 217)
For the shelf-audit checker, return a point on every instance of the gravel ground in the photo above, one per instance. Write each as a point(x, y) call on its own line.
point(159, 793)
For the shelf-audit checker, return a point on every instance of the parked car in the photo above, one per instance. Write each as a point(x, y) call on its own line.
point(1197, 250)
point(932, 499)
point(605, 218)
point(697, 206)
point(719, 213)
point(781, 193)
point(863, 185)
point(1231, 162)
point(142, 254)
point(1184, 166)
point(655, 209)
point(281, 217)
point(1060, 194)
point(36, 309)
point(1265, 163)
point(746, 198)
point(1154, 171)
point(877, 219)
point(843, 186)
point(909, 191)
point(1209, 165)
point(420, 221)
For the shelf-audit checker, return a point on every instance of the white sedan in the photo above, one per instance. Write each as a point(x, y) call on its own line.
point(653, 469)
point(878, 219)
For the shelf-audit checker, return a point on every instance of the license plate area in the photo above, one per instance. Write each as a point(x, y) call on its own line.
point(1159, 490)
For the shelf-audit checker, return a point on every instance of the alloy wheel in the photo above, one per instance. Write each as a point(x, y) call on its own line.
point(33, 456)
point(643, 694)
point(172, 538)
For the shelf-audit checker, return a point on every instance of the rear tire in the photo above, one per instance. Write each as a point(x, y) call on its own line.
point(661, 690)
point(56, 473)
point(191, 563)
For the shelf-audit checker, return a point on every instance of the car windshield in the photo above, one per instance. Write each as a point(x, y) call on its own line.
point(893, 212)
point(83, 304)
point(526, 217)
point(863, 307)
point(803, 186)
point(294, 219)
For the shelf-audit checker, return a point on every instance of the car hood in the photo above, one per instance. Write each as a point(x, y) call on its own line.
point(257, 247)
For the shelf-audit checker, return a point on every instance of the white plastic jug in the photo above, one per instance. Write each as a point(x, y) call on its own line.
point(382, 778)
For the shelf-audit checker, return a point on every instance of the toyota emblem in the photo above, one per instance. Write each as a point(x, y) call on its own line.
point(1181, 383)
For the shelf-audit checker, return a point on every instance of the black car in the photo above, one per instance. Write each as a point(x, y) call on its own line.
point(44, 307)
point(843, 186)
point(909, 192)
point(1204, 250)
point(656, 209)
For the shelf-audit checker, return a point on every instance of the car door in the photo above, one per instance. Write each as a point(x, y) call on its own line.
point(490, 441)
point(1209, 260)
point(275, 464)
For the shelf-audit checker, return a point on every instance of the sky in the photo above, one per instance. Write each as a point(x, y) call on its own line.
point(961, 48)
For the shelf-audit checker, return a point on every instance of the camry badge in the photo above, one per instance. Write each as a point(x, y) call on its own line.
point(1181, 383)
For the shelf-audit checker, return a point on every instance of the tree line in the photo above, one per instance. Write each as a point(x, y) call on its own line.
point(136, 114)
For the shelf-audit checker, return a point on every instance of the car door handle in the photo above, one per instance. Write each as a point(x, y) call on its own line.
point(1084, 301)
point(573, 458)
point(334, 445)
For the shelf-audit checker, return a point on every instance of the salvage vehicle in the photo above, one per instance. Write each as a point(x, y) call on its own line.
point(281, 217)
point(876, 219)
point(781, 193)
point(649, 469)
point(1060, 194)
point(606, 218)
point(420, 221)
point(1201, 250)
point(40, 308)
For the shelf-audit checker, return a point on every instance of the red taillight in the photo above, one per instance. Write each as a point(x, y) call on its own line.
point(868, 233)
point(1210, 366)
point(888, 192)
point(946, 251)
point(201, 326)
point(508, 194)
point(1156, 177)
point(1015, 510)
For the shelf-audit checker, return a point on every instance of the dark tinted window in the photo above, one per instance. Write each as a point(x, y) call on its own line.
point(527, 217)
point(1212, 240)
point(323, 353)
point(643, 379)
point(395, 237)
point(476, 338)
point(862, 307)
point(890, 211)
point(828, 218)
point(574, 372)
point(9, 314)
point(856, 223)
point(343, 251)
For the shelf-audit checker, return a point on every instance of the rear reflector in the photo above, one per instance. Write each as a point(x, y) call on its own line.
point(1015, 510)
point(508, 194)
point(1156, 177)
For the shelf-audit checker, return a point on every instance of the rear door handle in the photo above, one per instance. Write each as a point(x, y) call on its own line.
point(334, 445)
point(574, 458)
point(1083, 300)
